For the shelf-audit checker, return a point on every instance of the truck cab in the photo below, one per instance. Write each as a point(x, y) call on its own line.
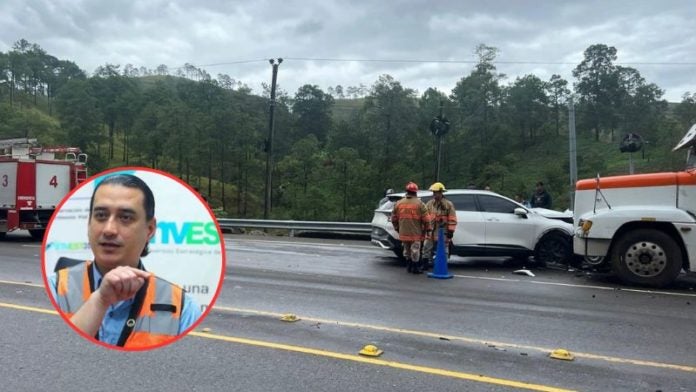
point(643, 226)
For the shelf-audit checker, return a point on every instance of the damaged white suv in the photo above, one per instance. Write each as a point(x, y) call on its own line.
point(489, 224)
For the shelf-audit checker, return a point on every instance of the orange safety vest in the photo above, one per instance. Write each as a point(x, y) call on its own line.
point(154, 315)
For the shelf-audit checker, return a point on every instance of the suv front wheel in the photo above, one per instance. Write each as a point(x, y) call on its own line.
point(553, 247)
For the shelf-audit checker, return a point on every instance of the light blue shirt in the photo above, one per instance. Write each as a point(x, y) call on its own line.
point(117, 314)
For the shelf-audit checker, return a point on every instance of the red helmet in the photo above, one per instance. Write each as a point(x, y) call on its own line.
point(412, 187)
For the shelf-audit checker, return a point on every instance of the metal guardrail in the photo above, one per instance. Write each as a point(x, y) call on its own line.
point(293, 225)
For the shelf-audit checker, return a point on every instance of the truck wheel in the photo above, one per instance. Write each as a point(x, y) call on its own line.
point(37, 234)
point(555, 248)
point(647, 257)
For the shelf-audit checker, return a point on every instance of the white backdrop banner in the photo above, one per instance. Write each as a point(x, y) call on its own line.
point(186, 249)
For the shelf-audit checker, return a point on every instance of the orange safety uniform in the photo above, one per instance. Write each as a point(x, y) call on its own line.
point(410, 219)
point(441, 214)
point(154, 316)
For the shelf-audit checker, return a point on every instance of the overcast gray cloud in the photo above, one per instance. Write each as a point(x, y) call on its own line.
point(539, 37)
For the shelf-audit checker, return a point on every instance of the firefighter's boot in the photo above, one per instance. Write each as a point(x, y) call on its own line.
point(425, 264)
point(417, 267)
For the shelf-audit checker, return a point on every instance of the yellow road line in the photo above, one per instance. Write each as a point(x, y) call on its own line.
point(546, 350)
point(21, 283)
point(29, 308)
point(346, 357)
point(380, 362)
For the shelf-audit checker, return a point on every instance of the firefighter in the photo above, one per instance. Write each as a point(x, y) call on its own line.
point(410, 220)
point(441, 213)
point(113, 298)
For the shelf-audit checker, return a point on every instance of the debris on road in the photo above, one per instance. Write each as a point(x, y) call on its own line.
point(289, 318)
point(524, 272)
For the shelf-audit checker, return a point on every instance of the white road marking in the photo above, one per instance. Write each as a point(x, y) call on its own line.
point(582, 286)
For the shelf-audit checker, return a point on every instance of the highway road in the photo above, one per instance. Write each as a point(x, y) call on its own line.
point(486, 329)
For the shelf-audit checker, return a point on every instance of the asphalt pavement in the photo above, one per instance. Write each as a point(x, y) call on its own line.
point(485, 329)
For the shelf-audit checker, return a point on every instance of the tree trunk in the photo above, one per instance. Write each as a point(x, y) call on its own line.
point(210, 170)
point(222, 174)
point(125, 146)
point(12, 85)
point(245, 187)
point(240, 171)
point(36, 88)
point(112, 126)
point(48, 99)
point(345, 189)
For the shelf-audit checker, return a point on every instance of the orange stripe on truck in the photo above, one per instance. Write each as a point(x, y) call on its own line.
point(639, 181)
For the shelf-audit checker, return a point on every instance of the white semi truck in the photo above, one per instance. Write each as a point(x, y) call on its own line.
point(643, 226)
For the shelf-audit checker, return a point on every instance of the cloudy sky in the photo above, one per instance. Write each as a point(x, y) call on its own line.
point(422, 44)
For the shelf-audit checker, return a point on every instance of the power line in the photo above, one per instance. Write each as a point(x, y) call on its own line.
point(234, 62)
point(231, 63)
point(367, 60)
point(432, 61)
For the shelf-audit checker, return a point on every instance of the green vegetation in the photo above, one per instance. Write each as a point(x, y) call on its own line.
point(335, 152)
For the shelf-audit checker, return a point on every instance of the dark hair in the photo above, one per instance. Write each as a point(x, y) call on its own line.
point(540, 183)
point(129, 181)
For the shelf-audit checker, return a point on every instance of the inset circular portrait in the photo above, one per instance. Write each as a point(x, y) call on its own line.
point(133, 258)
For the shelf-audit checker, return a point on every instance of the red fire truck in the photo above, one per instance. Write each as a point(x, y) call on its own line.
point(33, 180)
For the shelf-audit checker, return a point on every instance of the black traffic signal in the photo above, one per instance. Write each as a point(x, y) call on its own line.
point(439, 126)
point(632, 142)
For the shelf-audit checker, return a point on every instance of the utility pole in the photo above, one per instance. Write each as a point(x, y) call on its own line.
point(439, 126)
point(572, 151)
point(439, 149)
point(269, 143)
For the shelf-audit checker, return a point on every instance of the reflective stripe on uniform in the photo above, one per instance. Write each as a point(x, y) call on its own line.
point(405, 237)
point(409, 215)
point(158, 320)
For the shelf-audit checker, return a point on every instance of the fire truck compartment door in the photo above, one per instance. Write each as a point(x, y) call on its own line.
point(8, 184)
point(52, 184)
